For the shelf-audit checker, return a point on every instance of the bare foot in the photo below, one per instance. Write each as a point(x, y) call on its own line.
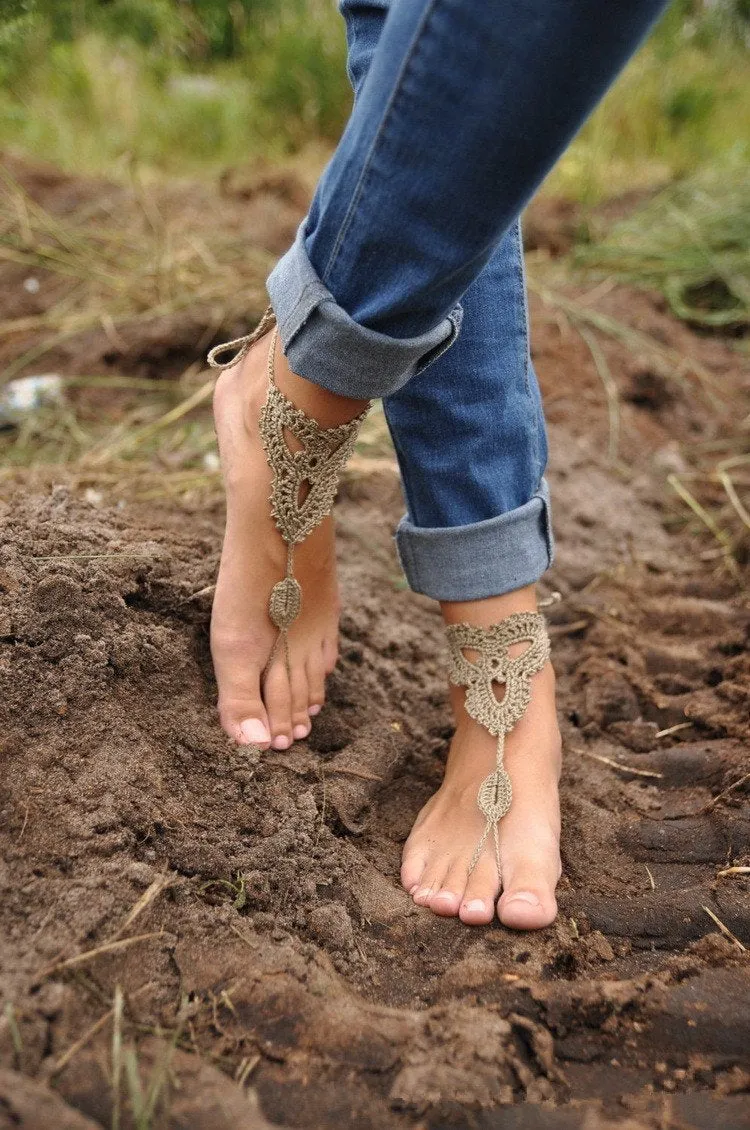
point(438, 852)
point(253, 559)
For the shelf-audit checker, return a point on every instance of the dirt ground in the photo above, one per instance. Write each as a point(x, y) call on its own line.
point(237, 919)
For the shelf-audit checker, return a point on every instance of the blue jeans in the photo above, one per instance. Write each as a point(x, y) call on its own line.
point(406, 278)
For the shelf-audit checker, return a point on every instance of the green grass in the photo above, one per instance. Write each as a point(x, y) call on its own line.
point(682, 103)
point(100, 101)
point(184, 88)
point(691, 242)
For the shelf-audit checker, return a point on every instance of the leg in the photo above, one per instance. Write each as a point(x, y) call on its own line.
point(471, 441)
point(366, 298)
point(465, 108)
point(476, 497)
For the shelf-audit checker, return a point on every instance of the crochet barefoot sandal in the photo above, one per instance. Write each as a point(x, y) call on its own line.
point(305, 477)
point(494, 664)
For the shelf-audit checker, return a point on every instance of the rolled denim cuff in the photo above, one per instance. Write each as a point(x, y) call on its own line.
point(326, 346)
point(483, 559)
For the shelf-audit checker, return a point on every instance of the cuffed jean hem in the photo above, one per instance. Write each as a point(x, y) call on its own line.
point(325, 345)
point(483, 559)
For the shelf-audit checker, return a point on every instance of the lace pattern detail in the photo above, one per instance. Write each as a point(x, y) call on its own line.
point(494, 664)
point(305, 480)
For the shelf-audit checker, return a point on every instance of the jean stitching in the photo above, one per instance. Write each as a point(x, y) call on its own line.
point(520, 267)
point(402, 462)
point(523, 304)
point(367, 164)
point(301, 310)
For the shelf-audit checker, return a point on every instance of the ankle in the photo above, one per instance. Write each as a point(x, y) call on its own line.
point(491, 610)
point(326, 408)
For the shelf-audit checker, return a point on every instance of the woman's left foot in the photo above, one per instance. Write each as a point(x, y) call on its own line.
point(438, 853)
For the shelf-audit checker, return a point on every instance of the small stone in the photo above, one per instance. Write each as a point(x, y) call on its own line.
point(596, 947)
point(139, 873)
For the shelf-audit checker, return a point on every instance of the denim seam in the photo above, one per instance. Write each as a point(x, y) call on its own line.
point(351, 40)
point(523, 304)
point(403, 474)
point(298, 316)
point(367, 164)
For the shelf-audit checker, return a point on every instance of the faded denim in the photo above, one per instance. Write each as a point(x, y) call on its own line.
point(461, 108)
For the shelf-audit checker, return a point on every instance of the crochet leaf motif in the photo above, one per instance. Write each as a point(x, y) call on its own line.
point(304, 481)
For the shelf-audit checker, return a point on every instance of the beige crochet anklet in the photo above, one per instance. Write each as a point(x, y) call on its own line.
point(305, 479)
point(494, 664)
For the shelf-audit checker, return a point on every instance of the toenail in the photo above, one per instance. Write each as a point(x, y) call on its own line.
point(523, 896)
point(300, 732)
point(282, 742)
point(422, 893)
point(476, 906)
point(445, 895)
point(253, 730)
point(313, 710)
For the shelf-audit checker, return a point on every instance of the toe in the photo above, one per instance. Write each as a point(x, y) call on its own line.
point(241, 711)
point(430, 883)
point(300, 700)
point(330, 654)
point(278, 699)
point(478, 901)
point(527, 906)
point(413, 862)
point(529, 880)
point(316, 686)
point(447, 900)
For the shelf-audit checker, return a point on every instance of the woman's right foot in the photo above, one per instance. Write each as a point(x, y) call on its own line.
point(274, 710)
point(438, 854)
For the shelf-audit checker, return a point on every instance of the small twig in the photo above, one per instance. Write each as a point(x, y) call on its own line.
point(721, 795)
point(236, 930)
point(734, 498)
point(194, 596)
point(725, 929)
point(89, 1034)
point(133, 439)
point(734, 871)
point(354, 773)
point(721, 536)
point(618, 764)
point(650, 877)
point(117, 1010)
point(160, 884)
point(610, 390)
point(89, 955)
point(15, 1032)
point(245, 1069)
point(567, 629)
point(673, 729)
point(23, 826)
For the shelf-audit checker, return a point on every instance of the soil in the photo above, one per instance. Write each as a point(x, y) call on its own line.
point(247, 908)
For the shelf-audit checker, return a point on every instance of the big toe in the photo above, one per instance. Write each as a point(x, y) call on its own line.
point(241, 710)
point(528, 899)
point(524, 909)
